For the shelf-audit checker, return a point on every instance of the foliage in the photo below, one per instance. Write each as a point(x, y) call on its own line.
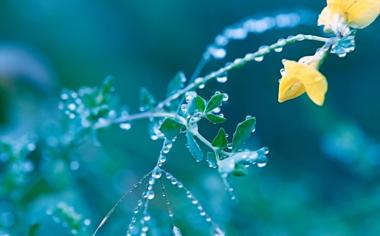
point(180, 115)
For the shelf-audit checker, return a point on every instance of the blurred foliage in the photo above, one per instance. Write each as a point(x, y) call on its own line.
point(322, 178)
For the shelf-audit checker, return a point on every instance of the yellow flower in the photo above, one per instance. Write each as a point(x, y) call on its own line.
point(302, 77)
point(356, 14)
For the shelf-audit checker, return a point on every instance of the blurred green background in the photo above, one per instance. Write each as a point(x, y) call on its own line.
point(322, 178)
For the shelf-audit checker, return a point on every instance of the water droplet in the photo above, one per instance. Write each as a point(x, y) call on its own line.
point(157, 173)
point(259, 58)
point(176, 231)
point(221, 40)
point(31, 147)
point(125, 126)
point(278, 49)
point(74, 165)
point(184, 108)
point(218, 232)
point(264, 49)
point(222, 79)
point(145, 229)
point(225, 97)
point(71, 106)
point(216, 52)
point(216, 110)
point(261, 165)
point(87, 222)
point(236, 33)
point(146, 217)
point(150, 195)
point(201, 86)
point(162, 159)
point(64, 96)
point(189, 96)
point(341, 55)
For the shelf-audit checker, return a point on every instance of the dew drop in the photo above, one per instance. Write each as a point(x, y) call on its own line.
point(259, 58)
point(64, 96)
point(74, 165)
point(146, 217)
point(150, 195)
point(225, 97)
point(221, 40)
point(216, 110)
point(125, 126)
point(176, 231)
point(157, 174)
point(261, 165)
point(145, 229)
point(216, 52)
point(87, 222)
point(278, 49)
point(71, 106)
point(222, 79)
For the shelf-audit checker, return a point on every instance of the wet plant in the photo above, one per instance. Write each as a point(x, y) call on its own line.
point(179, 113)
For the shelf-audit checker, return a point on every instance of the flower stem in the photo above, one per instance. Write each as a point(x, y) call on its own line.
point(240, 62)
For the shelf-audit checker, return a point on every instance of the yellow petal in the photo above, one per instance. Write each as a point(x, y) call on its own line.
point(300, 78)
point(331, 20)
point(362, 13)
point(316, 87)
point(356, 13)
point(290, 88)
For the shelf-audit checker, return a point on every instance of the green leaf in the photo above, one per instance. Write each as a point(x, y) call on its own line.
point(107, 86)
point(220, 140)
point(198, 104)
point(216, 119)
point(177, 83)
point(146, 100)
point(242, 132)
point(171, 128)
point(239, 170)
point(215, 101)
point(33, 229)
point(193, 147)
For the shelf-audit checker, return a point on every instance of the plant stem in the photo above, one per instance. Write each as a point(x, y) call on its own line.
point(240, 62)
point(145, 115)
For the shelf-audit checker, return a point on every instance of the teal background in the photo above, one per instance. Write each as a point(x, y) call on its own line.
point(322, 178)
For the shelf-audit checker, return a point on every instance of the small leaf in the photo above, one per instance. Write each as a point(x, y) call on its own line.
point(177, 83)
point(220, 140)
point(215, 101)
point(171, 128)
point(193, 147)
point(216, 119)
point(239, 170)
point(146, 100)
point(33, 229)
point(107, 86)
point(198, 104)
point(242, 132)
